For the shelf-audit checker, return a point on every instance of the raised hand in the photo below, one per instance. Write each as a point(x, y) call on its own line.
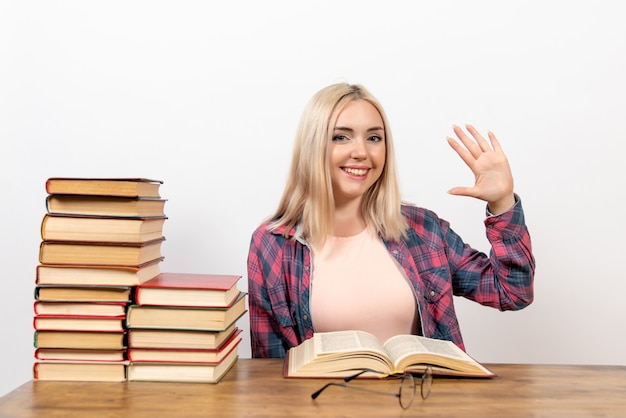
point(492, 173)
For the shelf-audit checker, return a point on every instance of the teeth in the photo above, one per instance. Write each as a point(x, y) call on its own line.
point(356, 171)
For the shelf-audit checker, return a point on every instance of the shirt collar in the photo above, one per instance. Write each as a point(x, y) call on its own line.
point(293, 232)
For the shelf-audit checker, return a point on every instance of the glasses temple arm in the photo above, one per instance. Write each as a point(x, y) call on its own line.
point(318, 392)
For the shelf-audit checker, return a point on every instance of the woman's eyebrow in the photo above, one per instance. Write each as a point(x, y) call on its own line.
point(348, 129)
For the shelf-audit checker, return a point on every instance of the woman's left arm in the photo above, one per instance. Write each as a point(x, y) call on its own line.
point(503, 279)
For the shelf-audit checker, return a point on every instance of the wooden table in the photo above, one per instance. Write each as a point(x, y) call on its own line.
point(256, 388)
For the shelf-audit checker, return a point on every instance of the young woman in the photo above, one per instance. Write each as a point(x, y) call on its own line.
point(343, 252)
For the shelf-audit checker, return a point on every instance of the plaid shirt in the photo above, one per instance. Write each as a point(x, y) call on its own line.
point(436, 261)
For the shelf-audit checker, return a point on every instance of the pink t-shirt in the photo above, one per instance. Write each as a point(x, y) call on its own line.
point(356, 284)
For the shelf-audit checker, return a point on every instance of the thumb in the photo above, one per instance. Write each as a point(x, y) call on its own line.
point(462, 191)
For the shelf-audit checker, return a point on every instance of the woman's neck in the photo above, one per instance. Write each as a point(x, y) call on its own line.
point(349, 220)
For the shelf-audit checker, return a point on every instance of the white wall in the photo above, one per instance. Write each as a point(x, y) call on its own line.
point(206, 96)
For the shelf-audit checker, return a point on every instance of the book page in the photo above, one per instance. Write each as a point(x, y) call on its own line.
point(402, 345)
point(344, 341)
point(337, 354)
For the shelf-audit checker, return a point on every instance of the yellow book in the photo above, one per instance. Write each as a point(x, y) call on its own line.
point(99, 253)
point(101, 229)
point(104, 205)
point(128, 187)
point(95, 371)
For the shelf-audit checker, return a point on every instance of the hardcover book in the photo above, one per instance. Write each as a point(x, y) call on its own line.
point(191, 318)
point(101, 253)
point(182, 372)
point(97, 371)
point(104, 205)
point(128, 187)
point(72, 293)
point(185, 355)
point(74, 354)
point(100, 229)
point(97, 275)
point(79, 323)
point(80, 340)
point(186, 289)
point(90, 308)
point(179, 339)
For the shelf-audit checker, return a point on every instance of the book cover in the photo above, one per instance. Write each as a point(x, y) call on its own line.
point(77, 354)
point(184, 355)
point(179, 339)
point(83, 228)
point(129, 187)
point(100, 253)
point(182, 372)
point(89, 308)
point(105, 205)
point(189, 289)
point(78, 293)
point(80, 340)
point(191, 318)
point(97, 371)
point(78, 323)
point(97, 275)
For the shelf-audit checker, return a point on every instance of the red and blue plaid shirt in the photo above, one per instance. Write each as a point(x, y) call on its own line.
point(436, 261)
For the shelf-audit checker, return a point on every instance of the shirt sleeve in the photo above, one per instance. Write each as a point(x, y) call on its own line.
point(504, 278)
point(263, 260)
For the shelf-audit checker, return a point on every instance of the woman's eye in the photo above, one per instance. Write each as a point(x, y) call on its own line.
point(339, 138)
point(375, 138)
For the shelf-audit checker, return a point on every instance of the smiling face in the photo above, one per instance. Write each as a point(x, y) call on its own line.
point(357, 151)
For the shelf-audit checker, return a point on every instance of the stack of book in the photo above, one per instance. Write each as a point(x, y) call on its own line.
point(182, 328)
point(100, 239)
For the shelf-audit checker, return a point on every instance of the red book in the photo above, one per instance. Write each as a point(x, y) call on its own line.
point(189, 289)
point(171, 355)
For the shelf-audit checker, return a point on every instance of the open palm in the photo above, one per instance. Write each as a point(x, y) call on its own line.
point(492, 173)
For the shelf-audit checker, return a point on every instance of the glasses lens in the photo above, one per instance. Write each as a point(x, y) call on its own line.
point(407, 391)
point(427, 382)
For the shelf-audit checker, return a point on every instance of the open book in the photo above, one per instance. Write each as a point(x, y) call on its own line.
point(341, 353)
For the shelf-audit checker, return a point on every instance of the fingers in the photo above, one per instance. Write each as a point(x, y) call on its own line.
point(471, 146)
point(482, 143)
point(493, 181)
point(465, 155)
point(494, 142)
point(478, 145)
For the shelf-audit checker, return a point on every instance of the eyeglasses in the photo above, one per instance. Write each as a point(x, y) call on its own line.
point(406, 391)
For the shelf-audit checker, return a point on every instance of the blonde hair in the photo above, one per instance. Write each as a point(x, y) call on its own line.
point(307, 200)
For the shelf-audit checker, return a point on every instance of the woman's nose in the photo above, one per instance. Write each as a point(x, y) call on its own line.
point(358, 149)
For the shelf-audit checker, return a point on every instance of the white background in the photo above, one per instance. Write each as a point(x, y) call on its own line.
point(206, 97)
